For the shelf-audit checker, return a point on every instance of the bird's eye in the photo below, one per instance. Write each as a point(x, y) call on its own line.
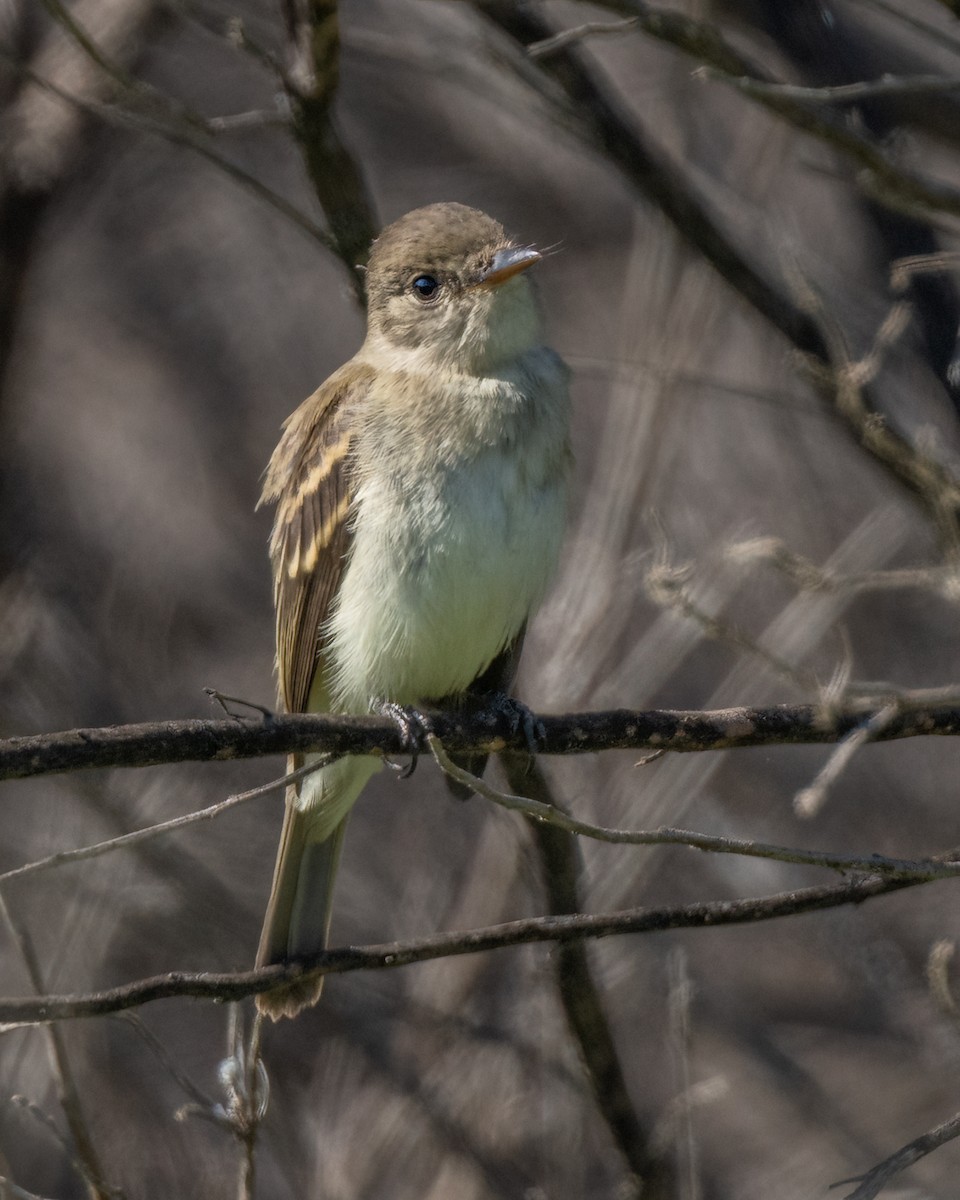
point(425, 287)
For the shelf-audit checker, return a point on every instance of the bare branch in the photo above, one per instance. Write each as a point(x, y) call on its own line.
point(666, 586)
point(809, 576)
point(933, 712)
point(938, 977)
point(877, 1179)
point(83, 1153)
point(809, 801)
point(580, 33)
point(853, 93)
point(583, 1006)
point(126, 840)
point(595, 109)
point(180, 132)
point(237, 985)
point(311, 82)
point(845, 382)
point(887, 182)
point(13, 1192)
point(548, 814)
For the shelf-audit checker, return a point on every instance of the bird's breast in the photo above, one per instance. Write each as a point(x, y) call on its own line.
point(454, 543)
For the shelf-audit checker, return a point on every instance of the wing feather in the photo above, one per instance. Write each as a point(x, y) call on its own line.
point(311, 480)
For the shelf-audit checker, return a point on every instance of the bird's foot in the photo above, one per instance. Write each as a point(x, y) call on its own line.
point(518, 717)
point(413, 726)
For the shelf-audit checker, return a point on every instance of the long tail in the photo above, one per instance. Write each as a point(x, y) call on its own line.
point(300, 905)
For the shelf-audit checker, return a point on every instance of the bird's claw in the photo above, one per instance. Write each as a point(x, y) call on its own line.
point(413, 726)
point(518, 717)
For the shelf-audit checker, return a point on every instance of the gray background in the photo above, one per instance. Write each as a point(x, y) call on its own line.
point(161, 322)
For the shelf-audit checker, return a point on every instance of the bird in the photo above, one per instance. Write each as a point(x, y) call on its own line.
point(420, 501)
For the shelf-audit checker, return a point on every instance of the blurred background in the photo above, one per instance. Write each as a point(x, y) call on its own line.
point(172, 286)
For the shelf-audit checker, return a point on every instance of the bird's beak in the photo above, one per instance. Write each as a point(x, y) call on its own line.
point(506, 263)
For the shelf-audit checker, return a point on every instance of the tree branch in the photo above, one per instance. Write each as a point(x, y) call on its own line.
point(582, 1005)
point(311, 83)
point(877, 1179)
point(84, 1154)
point(604, 125)
point(854, 93)
point(543, 813)
point(180, 129)
point(125, 840)
point(236, 985)
point(595, 109)
point(922, 713)
point(886, 181)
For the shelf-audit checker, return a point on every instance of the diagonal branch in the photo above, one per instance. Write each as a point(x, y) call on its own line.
point(593, 107)
point(542, 813)
point(179, 131)
point(561, 930)
point(125, 840)
point(873, 1183)
point(603, 124)
point(86, 1158)
point(887, 182)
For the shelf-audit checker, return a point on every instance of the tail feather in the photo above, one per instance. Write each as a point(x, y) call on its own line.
point(298, 915)
point(297, 921)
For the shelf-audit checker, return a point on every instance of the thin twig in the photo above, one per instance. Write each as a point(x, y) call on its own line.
point(539, 811)
point(160, 1052)
point(845, 380)
point(809, 800)
point(580, 33)
point(13, 1191)
point(190, 135)
point(938, 977)
point(83, 1154)
point(853, 93)
point(223, 700)
point(125, 840)
point(665, 585)
point(809, 576)
point(889, 183)
point(43, 1118)
point(873, 1183)
point(258, 118)
point(902, 270)
point(680, 998)
point(76, 31)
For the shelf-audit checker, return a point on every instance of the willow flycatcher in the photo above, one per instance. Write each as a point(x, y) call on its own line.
point(421, 495)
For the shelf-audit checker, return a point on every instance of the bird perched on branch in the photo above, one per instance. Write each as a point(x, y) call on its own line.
point(420, 502)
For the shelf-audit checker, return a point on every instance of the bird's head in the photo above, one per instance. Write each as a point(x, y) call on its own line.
point(446, 284)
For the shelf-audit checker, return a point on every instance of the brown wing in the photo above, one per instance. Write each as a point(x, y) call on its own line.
point(310, 478)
